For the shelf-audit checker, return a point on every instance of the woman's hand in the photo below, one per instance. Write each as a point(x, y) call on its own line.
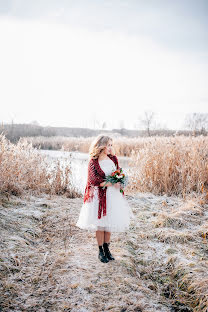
point(117, 185)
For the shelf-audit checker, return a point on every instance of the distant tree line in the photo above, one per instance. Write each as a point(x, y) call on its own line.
point(194, 124)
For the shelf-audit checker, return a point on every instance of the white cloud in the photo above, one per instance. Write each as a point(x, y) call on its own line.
point(61, 75)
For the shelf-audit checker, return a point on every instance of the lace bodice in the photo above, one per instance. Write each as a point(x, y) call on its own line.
point(107, 165)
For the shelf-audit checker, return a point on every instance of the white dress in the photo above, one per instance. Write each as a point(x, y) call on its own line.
point(118, 211)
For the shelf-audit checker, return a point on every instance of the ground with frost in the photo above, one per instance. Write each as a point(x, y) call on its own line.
point(48, 264)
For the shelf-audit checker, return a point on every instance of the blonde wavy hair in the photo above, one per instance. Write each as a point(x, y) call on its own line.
point(98, 145)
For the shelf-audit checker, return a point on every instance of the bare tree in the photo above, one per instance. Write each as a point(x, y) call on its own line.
point(160, 126)
point(95, 121)
point(147, 121)
point(197, 122)
point(104, 125)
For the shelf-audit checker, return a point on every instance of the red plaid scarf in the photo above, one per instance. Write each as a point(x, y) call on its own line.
point(96, 176)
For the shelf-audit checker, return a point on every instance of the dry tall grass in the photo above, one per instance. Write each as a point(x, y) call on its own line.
point(123, 145)
point(60, 143)
point(170, 166)
point(23, 168)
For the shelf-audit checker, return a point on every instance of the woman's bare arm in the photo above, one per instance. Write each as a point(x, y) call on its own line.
point(107, 184)
point(117, 185)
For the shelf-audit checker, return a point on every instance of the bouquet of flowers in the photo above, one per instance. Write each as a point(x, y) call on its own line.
point(117, 176)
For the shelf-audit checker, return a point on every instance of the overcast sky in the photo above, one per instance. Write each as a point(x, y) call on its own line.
point(67, 63)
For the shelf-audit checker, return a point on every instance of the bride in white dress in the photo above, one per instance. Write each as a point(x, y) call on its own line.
point(118, 212)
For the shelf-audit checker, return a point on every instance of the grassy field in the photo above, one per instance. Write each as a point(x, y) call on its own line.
point(48, 264)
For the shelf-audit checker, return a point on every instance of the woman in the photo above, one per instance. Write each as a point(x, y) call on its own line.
point(104, 210)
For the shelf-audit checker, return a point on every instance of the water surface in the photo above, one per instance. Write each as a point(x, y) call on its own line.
point(79, 163)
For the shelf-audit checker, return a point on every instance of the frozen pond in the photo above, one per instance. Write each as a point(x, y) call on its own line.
point(78, 162)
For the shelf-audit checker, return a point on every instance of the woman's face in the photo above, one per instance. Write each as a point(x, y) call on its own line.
point(108, 148)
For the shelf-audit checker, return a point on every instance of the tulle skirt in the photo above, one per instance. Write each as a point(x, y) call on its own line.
point(118, 213)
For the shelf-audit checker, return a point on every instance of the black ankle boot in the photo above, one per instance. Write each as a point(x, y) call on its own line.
point(102, 256)
point(107, 251)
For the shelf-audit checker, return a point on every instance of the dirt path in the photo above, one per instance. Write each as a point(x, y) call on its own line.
point(48, 264)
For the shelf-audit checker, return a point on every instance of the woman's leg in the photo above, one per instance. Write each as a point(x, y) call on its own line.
point(100, 240)
point(107, 237)
point(100, 237)
point(106, 245)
